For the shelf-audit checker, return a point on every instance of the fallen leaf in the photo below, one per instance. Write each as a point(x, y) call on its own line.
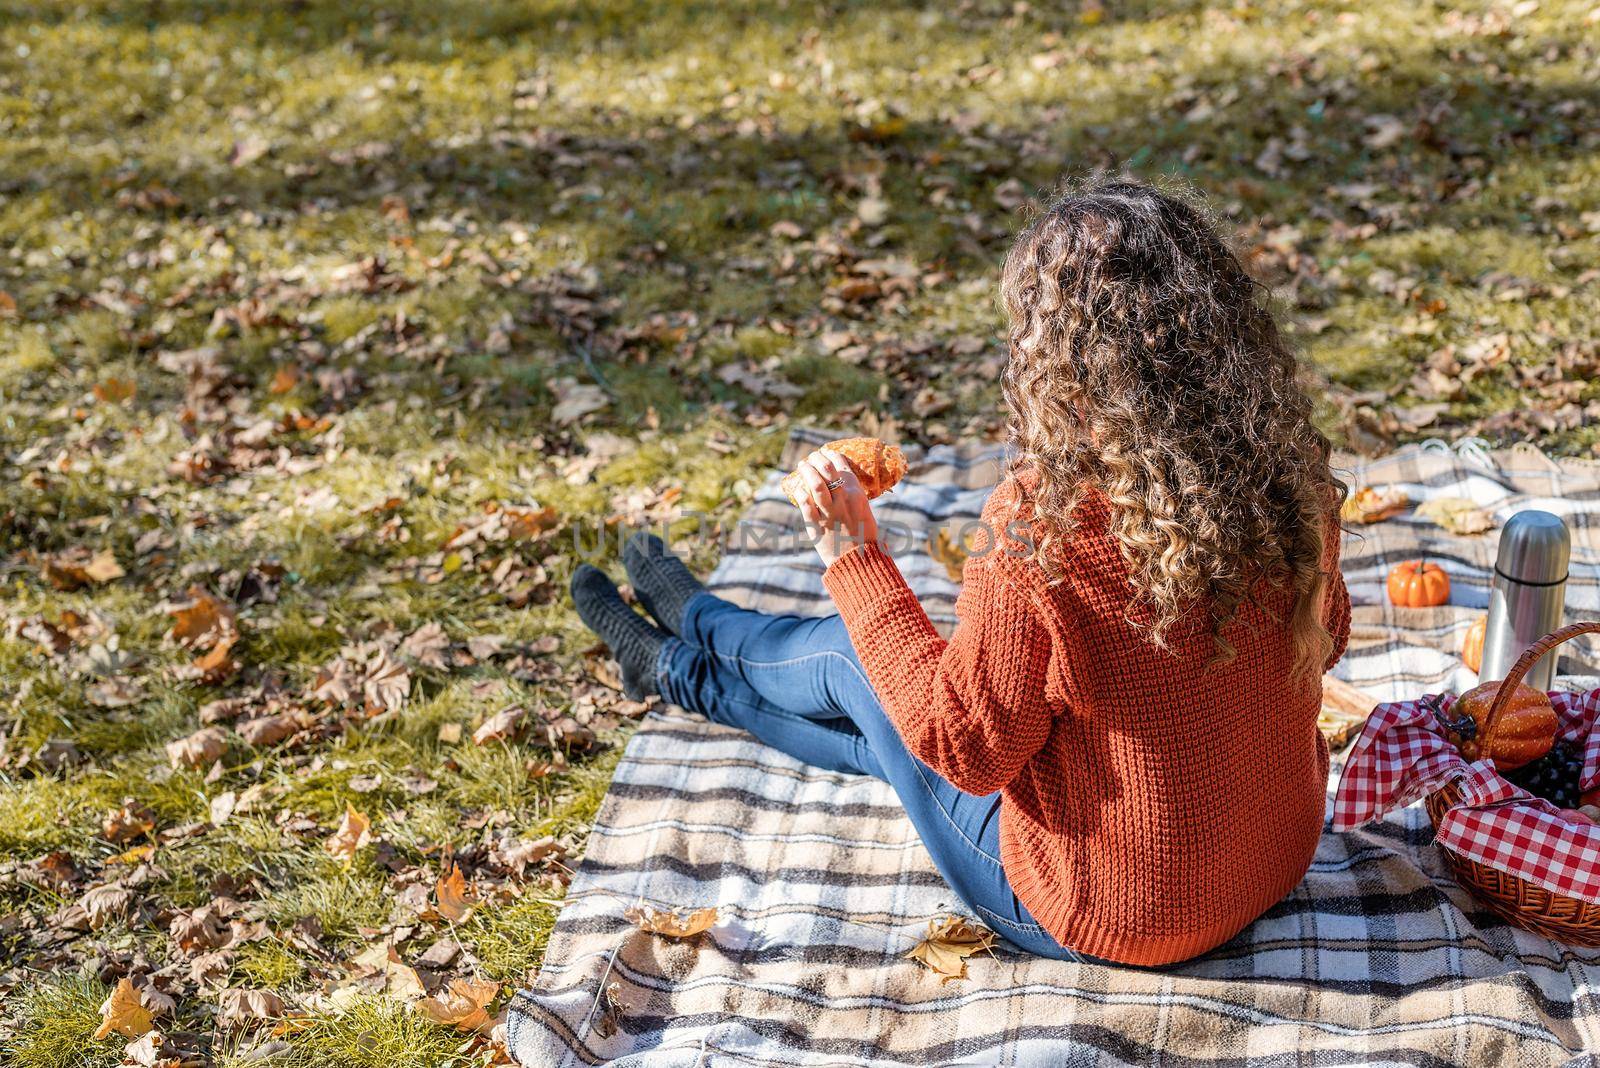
point(501, 726)
point(947, 552)
point(199, 930)
point(247, 149)
point(136, 855)
point(221, 807)
point(1372, 504)
point(516, 854)
point(427, 646)
point(215, 666)
point(123, 1013)
point(872, 210)
point(202, 621)
point(462, 1005)
point(146, 1052)
point(104, 904)
point(283, 379)
point(1458, 515)
point(198, 749)
point(575, 399)
point(128, 822)
point(268, 730)
point(387, 684)
point(355, 831)
point(77, 568)
point(119, 691)
point(455, 899)
point(1386, 131)
point(668, 922)
point(115, 390)
point(526, 523)
point(383, 961)
point(948, 944)
point(240, 1007)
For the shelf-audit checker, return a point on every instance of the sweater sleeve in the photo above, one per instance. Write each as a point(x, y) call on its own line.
point(973, 708)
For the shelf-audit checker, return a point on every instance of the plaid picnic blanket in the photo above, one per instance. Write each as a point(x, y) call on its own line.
point(821, 886)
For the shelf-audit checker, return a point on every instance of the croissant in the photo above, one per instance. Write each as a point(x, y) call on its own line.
point(877, 466)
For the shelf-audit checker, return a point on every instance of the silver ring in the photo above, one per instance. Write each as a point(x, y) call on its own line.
point(837, 483)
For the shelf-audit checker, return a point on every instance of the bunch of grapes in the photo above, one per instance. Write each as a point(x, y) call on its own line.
point(1553, 776)
point(1460, 731)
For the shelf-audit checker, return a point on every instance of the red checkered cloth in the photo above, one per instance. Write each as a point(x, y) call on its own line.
point(1403, 755)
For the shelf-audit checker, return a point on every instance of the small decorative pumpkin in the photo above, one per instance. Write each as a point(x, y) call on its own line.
point(1522, 733)
point(1472, 644)
point(1418, 584)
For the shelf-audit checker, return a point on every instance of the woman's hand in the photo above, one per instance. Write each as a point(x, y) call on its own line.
point(837, 513)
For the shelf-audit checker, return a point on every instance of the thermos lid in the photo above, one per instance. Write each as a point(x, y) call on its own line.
point(1535, 547)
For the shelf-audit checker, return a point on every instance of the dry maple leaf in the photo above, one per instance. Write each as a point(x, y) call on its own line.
point(268, 730)
point(145, 1052)
point(355, 831)
point(283, 380)
point(136, 855)
point(51, 639)
point(119, 691)
point(1458, 515)
point(240, 1006)
point(455, 899)
point(115, 390)
point(502, 726)
point(948, 552)
point(199, 929)
point(427, 646)
point(382, 966)
point(123, 1013)
point(198, 749)
point(387, 684)
point(216, 666)
point(1371, 504)
point(948, 944)
point(516, 854)
point(202, 621)
point(464, 1004)
point(668, 922)
point(128, 822)
point(76, 568)
point(526, 523)
point(104, 904)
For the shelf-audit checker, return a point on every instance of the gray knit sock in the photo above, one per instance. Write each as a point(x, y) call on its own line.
point(634, 640)
point(661, 581)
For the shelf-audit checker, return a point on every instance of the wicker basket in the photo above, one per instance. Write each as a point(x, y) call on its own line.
point(1525, 904)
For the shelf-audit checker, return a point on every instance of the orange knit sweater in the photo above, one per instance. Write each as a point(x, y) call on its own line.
point(1152, 807)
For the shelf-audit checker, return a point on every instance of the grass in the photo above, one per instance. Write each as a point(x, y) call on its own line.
point(58, 1021)
point(405, 230)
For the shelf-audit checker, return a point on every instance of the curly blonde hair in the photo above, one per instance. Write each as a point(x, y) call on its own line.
point(1145, 363)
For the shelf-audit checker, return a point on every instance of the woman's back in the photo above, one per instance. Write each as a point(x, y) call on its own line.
point(1176, 799)
point(1166, 799)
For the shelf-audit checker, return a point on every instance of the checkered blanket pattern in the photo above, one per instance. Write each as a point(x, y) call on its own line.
point(1402, 755)
point(821, 887)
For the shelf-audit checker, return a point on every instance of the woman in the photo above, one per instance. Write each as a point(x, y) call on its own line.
point(1115, 756)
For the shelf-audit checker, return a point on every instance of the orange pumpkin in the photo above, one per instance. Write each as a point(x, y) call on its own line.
point(1472, 644)
point(1524, 731)
point(1418, 584)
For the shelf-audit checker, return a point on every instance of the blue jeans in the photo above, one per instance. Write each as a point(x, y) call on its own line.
point(795, 683)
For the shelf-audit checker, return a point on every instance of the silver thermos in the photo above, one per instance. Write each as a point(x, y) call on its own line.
point(1528, 595)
